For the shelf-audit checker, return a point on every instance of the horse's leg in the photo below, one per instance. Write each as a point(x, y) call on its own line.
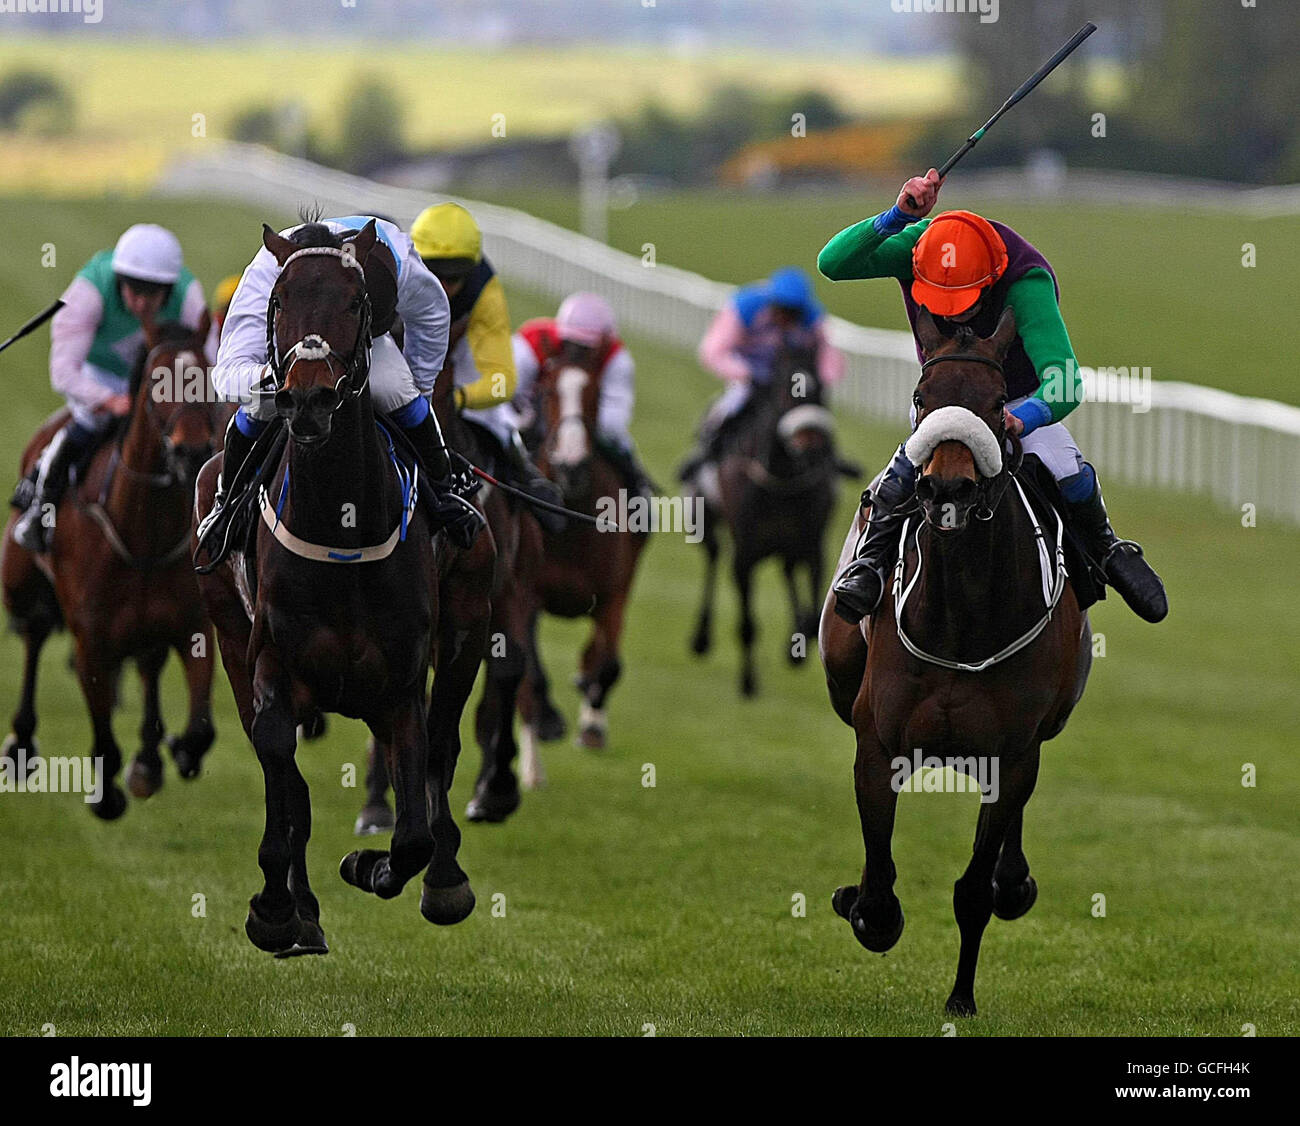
point(189, 747)
point(798, 650)
point(1014, 889)
point(375, 816)
point(843, 647)
point(310, 938)
point(98, 672)
point(743, 573)
point(550, 722)
point(403, 733)
point(496, 792)
point(601, 668)
point(145, 777)
point(702, 640)
point(21, 744)
point(272, 922)
point(532, 703)
point(462, 641)
point(972, 894)
point(872, 908)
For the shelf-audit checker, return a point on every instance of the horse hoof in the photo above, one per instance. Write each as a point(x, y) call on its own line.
point(550, 725)
point(447, 906)
point(876, 939)
point(111, 806)
point(21, 754)
point(748, 685)
point(960, 1006)
point(1017, 901)
point(490, 807)
point(357, 868)
point(701, 643)
point(269, 936)
point(309, 939)
point(593, 738)
point(188, 763)
point(843, 899)
point(313, 727)
point(144, 781)
point(374, 819)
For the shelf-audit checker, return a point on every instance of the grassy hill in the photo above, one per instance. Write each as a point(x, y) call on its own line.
point(671, 906)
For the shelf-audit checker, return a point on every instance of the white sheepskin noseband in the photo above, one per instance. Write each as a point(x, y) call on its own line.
point(960, 425)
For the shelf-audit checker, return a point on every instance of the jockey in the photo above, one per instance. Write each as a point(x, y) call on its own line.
point(966, 270)
point(583, 332)
point(95, 340)
point(742, 345)
point(449, 241)
point(400, 379)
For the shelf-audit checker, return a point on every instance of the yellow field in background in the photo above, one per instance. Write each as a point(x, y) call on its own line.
point(136, 101)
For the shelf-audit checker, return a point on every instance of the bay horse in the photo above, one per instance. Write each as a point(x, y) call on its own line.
point(774, 492)
point(118, 571)
point(518, 539)
point(587, 569)
point(975, 657)
point(350, 627)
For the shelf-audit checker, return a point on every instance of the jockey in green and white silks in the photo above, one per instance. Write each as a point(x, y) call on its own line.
point(95, 340)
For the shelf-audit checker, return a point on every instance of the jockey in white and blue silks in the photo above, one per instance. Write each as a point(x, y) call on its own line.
point(95, 340)
point(401, 379)
point(742, 345)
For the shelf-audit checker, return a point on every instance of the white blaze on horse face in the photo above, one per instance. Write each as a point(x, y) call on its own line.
point(571, 435)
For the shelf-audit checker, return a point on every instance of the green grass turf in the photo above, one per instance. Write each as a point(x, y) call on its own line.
point(672, 906)
point(1140, 286)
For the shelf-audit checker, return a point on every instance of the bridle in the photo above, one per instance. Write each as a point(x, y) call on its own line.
point(990, 489)
point(355, 366)
point(207, 409)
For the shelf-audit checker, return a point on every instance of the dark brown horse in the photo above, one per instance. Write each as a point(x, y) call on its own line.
point(118, 571)
point(975, 657)
point(352, 597)
point(774, 492)
point(518, 539)
point(587, 569)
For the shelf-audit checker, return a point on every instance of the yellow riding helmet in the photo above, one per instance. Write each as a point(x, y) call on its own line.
point(447, 231)
point(225, 291)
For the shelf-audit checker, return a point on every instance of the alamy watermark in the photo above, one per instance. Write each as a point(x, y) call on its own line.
point(90, 11)
point(953, 774)
point(53, 775)
point(634, 512)
point(987, 10)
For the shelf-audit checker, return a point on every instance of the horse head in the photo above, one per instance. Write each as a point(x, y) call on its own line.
point(173, 400)
point(570, 398)
point(318, 325)
point(960, 433)
point(804, 427)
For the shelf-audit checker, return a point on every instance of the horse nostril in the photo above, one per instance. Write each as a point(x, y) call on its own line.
point(925, 488)
point(284, 401)
point(323, 399)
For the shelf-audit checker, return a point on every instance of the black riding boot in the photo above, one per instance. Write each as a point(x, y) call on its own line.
point(453, 513)
point(235, 451)
point(861, 584)
point(1121, 561)
point(709, 445)
point(30, 531)
point(526, 476)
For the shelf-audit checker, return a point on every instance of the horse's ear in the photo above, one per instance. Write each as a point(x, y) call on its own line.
point(364, 242)
point(1005, 333)
point(927, 332)
point(278, 245)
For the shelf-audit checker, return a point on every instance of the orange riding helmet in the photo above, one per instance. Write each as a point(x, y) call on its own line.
point(957, 255)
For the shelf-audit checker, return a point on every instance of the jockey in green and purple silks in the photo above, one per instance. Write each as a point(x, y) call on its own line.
point(966, 270)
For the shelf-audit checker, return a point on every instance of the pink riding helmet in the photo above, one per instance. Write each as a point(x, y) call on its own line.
point(586, 319)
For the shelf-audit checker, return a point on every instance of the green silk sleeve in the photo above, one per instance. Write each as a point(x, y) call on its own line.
point(861, 251)
point(1047, 343)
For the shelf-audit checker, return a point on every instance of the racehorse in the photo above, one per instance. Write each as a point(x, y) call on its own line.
point(774, 492)
point(976, 656)
point(587, 569)
point(518, 539)
point(118, 571)
point(349, 627)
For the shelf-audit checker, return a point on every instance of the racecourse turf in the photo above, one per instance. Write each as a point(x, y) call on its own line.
point(675, 906)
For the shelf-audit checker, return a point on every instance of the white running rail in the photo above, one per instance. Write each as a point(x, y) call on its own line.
point(1195, 439)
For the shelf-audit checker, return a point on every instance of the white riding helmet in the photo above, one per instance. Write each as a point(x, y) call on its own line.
point(148, 252)
point(586, 319)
